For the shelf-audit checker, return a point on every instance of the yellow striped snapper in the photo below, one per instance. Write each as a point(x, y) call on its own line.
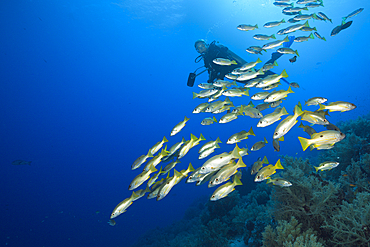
point(244, 27)
point(141, 160)
point(258, 165)
point(264, 37)
point(258, 145)
point(157, 146)
point(225, 173)
point(208, 121)
point(242, 135)
point(171, 165)
point(156, 187)
point(252, 112)
point(260, 95)
point(224, 61)
point(287, 50)
point(294, 9)
point(141, 178)
point(209, 144)
point(217, 94)
point(223, 83)
point(205, 153)
point(338, 106)
point(272, 86)
point(168, 185)
point(286, 124)
point(273, 23)
point(223, 109)
point(283, 4)
point(292, 29)
point(250, 75)
point(328, 165)
point(269, 66)
point(231, 76)
point(274, 44)
point(272, 117)
point(241, 107)
point(187, 146)
point(322, 138)
point(305, 1)
point(155, 177)
point(301, 17)
point(156, 159)
point(218, 161)
point(275, 96)
point(205, 93)
point(206, 85)
point(279, 182)
point(200, 108)
point(250, 65)
point(315, 101)
point(228, 117)
point(271, 79)
point(304, 38)
point(226, 189)
point(314, 117)
point(218, 105)
point(252, 83)
point(236, 92)
point(308, 29)
point(122, 206)
point(179, 126)
point(140, 193)
point(267, 171)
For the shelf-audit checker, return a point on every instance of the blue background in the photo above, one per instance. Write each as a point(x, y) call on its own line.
point(89, 86)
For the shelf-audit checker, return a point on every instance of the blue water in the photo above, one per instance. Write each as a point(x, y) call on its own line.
point(89, 86)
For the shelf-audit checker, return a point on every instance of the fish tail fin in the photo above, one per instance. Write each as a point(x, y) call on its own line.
point(305, 143)
point(278, 165)
point(150, 155)
point(314, 16)
point(152, 168)
point(256, 25)
point(193, 137)
point(195, 95)
point(134, 196)
point(296, 52)
point(323, 38)
point(305, 8)
point(186, 119)
point(298, 111)
point(177, 174)
point(322, 107)
point(273, 36)
point(286, 39)
point(265, 161)
point(306, 24)
point(282, 21)
point(164, 139)
point(190, 168)
point(250, 104)
point(201, 137)
point(260, 72)
point(311, 36)
point(214, 119)
point(316, 168)
point(301, 125)
point(236, 180)
point(290, 90)
point(299, 105)
point(246, 91)
point(283, 111)
point(217, 146)
point(344, 19)
point(218, 140)
point(265, 140)
point(259, 60)
point(241, 163)
point(250, 132)
point(268, 181)
point(284, 74)
point(234, 62)
point(236, 151)
point(315, 29)
point(275, 63)
point(147, 189)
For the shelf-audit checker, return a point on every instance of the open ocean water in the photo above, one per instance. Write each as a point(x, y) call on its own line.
point(89, 86)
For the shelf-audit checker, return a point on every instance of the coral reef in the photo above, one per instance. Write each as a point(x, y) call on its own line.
point(290, 234)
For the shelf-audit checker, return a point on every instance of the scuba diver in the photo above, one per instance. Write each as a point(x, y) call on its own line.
point(215, 71)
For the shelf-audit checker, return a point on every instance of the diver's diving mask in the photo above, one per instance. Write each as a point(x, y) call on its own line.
point(201, 47)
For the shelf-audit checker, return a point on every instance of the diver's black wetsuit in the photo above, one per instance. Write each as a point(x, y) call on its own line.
point(216, 71)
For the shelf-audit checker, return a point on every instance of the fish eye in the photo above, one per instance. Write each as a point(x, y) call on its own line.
point(321, 136)
point(341, 133)
point(213, 197)
point(276, 133)
point(258, 177)
point(216, 179)
point(260, 122)
point(202, 168)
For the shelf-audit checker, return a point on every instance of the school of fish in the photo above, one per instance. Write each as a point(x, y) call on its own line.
point(223, 168)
